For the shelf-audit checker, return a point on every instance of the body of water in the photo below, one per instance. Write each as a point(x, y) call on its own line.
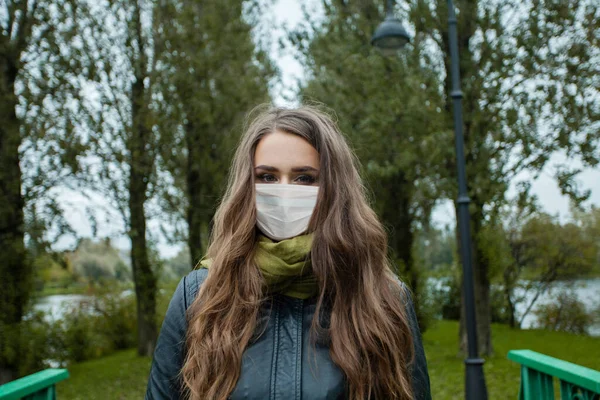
point(54, 307)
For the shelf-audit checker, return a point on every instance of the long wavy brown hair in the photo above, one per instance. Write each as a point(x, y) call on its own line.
point(368, 330)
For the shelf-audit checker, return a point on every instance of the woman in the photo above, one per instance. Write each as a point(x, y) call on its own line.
point(296, 298)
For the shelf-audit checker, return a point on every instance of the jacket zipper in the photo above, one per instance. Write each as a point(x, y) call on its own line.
point(275, 349)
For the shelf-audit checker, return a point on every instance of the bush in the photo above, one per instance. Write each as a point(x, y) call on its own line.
point(78, 337)
point(95, 328)
point(498, 306)
point(444, 300)
point(32, 344)
point(91, 329)
point(444, 295)
point(566, 313)
point(117, 319)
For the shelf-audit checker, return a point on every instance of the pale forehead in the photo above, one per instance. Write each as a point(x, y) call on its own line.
point(285, 151)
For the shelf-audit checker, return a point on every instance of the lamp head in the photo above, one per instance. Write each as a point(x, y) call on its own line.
point(390, 35)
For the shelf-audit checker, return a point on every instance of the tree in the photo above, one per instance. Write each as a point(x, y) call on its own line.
point(589, 221)
point(555, 252)
point(212, 73)
point(529, 74)
point(121, 46)
point(391, 110)
point(93, 260)
point(39, 149)
point(531, 250)
point(566, 314)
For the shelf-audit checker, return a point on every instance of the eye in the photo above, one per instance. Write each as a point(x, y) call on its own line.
point(268, 178)
point(305, 179)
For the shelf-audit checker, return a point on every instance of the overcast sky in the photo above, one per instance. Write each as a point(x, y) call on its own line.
point(288, 12)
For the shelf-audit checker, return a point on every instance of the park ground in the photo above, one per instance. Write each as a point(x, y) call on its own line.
point(123, 375)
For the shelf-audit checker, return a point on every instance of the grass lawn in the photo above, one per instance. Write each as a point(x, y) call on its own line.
point(120, 376)
point(123, 375)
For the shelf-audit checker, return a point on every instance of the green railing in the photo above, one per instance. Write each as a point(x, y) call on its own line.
point(38, 386)
point(538, 372)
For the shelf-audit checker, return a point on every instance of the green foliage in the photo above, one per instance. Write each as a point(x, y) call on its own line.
point(37, 338)
point(51, 274)
point(106, 321)
point(41, 342)
point(91, 329)
point(122, 272)
point(445, 297)
point(41, 49)
point(91, 261)
point(566, 313)
point(116, 319)
point(539, 250)
point(563, 251)
point(499, 311)
point(211, 73)
point(77, 338)
point(589, 221)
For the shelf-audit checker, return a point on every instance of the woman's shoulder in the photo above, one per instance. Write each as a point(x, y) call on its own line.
point(190, 285)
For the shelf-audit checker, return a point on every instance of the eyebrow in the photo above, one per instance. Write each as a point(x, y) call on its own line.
point(306, 168)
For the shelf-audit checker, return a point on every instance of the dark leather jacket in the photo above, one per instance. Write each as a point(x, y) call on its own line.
point(278, 364)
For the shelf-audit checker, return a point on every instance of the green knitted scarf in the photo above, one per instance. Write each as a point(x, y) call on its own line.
point(285, 266)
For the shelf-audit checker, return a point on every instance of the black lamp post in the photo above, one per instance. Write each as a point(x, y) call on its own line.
point(390, 35)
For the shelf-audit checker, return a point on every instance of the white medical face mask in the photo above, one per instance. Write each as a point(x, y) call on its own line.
point(283, 211)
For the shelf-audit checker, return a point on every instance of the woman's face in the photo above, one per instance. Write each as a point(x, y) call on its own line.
point(283, 157)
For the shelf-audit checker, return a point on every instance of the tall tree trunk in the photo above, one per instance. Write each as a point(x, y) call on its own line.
point(15, 271)
point(143, 276)
point(194, 191)
point(140, 171)
point(509, 290)
point(482, 301)
point(398, 213)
